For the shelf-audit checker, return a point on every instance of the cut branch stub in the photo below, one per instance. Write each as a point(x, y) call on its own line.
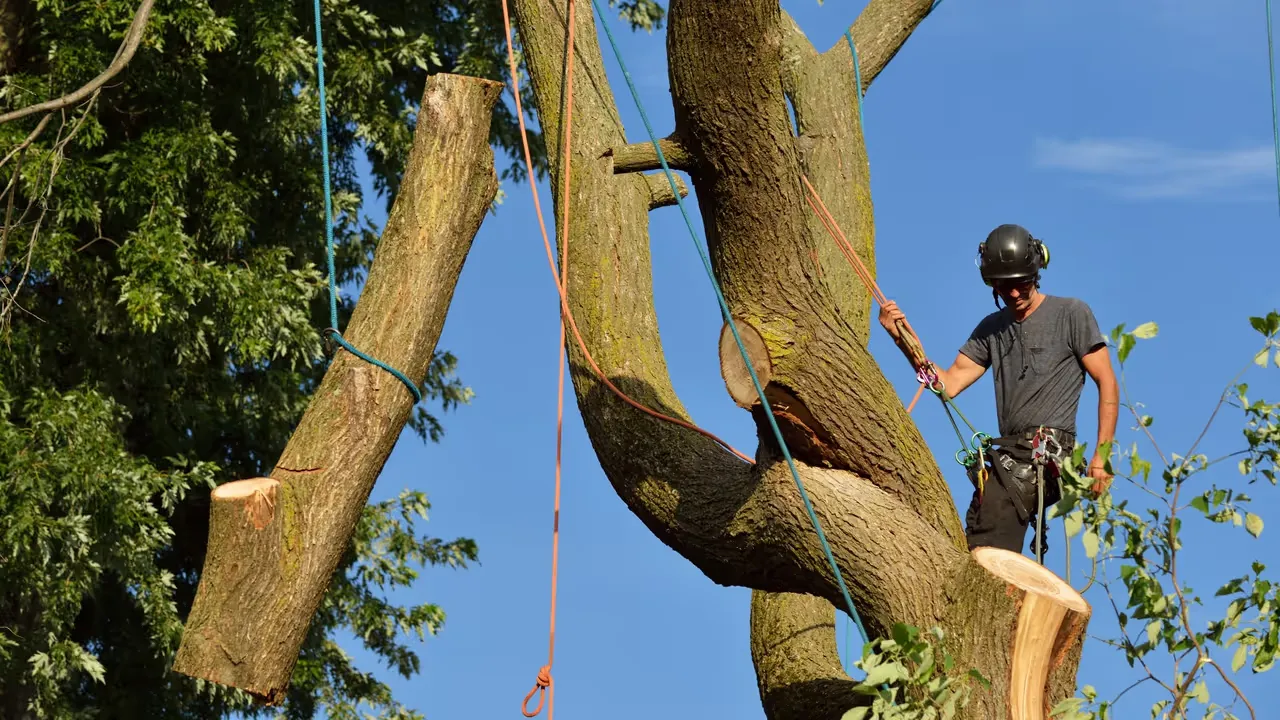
point(275, 543)
point(1051, 617)
point(736, 378)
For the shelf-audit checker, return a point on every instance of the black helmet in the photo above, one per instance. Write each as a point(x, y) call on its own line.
point(1010, 253)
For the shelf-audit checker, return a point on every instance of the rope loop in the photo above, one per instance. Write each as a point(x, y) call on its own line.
point(541, 687)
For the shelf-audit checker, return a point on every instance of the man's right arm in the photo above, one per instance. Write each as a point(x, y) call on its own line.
point(964, 371)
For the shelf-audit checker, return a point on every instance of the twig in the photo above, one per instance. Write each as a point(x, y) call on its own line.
point(57, 154)
point(12, 188)
point(1234, 687)
point(132, 38)
point(1221, 399)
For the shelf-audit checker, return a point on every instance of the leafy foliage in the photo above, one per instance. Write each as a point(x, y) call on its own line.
point(161, 297)
point(911, 676)
point(1144, 539)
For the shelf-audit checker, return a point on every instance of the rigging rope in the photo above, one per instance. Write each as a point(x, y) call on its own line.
point(332, 330)
point(1275, 122)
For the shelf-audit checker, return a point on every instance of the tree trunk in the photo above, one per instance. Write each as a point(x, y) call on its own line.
point(879, 494)
point(274, 543)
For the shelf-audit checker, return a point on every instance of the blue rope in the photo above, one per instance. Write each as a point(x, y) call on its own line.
point(857, 74)
point(332, 330)
point(724, 311)
point(1275, 124)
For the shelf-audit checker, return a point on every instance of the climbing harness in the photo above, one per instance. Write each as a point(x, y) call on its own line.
point(331, 333)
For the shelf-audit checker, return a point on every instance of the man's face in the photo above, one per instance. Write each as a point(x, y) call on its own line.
point(1016, 293)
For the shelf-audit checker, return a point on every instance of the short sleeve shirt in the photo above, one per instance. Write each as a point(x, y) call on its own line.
point(1036, 364)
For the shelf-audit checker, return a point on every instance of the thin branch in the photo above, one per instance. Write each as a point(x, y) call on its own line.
point(12, 188)
point(1234, 687)
point(132, 39)
point(1221, 399)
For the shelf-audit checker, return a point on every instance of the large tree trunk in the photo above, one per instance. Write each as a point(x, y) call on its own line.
point(876, 488)
point(274, 543)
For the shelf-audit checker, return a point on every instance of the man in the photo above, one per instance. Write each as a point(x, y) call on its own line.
point(1040, 347)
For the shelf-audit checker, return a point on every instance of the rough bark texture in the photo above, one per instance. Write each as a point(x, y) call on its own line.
point(798, 670)
point(264, 580)
point(880, 496)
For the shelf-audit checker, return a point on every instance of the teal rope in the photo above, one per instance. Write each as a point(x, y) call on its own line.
point(1275, 123)
point(332, 330)
point(724, 310)
point(857, 74)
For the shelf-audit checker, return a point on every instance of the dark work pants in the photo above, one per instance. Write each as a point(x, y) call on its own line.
point(993, 521)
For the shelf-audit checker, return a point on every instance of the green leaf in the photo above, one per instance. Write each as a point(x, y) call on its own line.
point(1253, 524)
point(1201, 503)
point(1261, 358)
point(1126, 345)
point(1200, 692)
point(1146, 331)
point(858, 713)
point(885, 673)
point(1090, 540)
point(1241, 656)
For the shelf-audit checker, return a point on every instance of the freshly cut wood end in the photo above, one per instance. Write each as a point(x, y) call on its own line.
point(1050, 615)
point(257, 494)
point(734, 371)
point(240, 489)
point(1028, 575)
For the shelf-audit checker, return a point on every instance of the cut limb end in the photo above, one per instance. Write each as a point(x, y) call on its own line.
point(1051, 616)
point(258, 495)
point(734, 371)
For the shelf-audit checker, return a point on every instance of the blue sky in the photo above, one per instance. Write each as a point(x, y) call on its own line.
point(1135, 138)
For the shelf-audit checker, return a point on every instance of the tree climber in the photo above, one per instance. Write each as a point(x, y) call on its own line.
point(1040, 347)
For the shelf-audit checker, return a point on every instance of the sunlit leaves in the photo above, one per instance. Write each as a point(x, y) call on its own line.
point(911, 676)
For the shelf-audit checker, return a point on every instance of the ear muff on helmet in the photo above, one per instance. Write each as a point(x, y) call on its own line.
point(1044, 254)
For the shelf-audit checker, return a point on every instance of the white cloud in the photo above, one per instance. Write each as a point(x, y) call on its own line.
point(1144, 169)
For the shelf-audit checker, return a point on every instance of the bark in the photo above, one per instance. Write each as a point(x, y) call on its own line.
point(274, 543)
point(15, 16)
point(793, 647)
point(880, 496)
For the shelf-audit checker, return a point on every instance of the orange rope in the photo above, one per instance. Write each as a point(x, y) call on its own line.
point(544, 685)
point(564, 300)
point(860, 269)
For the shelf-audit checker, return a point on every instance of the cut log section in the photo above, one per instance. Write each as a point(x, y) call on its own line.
point(736, 378)
point(1050, 617)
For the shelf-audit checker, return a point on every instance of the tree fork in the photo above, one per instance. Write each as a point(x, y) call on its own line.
point(275, 543)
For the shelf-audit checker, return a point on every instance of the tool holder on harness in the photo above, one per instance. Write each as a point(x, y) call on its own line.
point(1019, 462)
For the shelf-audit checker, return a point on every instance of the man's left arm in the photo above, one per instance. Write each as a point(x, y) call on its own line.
point(1090, 345)
point(1098, 364)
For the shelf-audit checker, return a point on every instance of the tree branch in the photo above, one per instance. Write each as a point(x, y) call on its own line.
point(638, 157)
point(880, 31)
point(660, 193)
point(132, 38)
point(274, 543)
point(793, 648)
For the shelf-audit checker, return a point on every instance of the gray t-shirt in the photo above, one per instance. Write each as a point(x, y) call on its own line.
point(1036, 363)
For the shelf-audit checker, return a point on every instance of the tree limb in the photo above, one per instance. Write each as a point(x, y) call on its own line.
point(793, 647)
point(274, 543)
point(880, 31)
point(132, 38)
point(638, 157)
point(660, 192)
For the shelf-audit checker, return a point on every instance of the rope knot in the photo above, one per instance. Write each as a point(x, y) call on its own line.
point(541, 686)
